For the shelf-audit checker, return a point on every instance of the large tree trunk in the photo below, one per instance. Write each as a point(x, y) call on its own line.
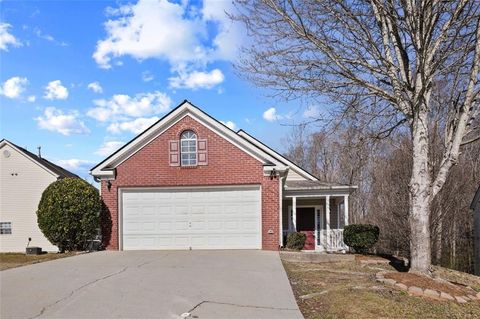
point(420, 198)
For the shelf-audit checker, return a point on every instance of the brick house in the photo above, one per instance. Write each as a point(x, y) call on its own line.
point(190, 182)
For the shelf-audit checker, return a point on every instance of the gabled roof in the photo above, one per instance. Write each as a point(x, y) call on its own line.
point(56, 170)
point(278, 156)
point(106, 168)
point(476, 199)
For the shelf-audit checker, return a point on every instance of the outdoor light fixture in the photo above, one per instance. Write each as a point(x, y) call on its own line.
point(273, 174)
point(109, 185)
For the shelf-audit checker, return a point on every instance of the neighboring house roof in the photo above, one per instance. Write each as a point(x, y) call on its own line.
point(107, 166)
point(304, 185)
point(476, 199)
point(60, 172)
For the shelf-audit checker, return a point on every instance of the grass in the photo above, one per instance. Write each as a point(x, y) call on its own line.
point(349, 290)
point(11, 260)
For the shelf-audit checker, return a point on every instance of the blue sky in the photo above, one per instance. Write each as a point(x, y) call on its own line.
point(80, 78)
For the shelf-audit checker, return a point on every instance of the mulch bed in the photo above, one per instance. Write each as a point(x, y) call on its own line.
point(425, 282)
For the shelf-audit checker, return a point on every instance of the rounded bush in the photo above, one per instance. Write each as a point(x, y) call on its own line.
point(69, 213)
point(361, 237)
point(296, 241)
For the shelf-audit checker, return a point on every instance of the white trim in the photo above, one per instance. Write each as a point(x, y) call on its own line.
point(185, 109)
point(280, 211)
point(279, 157)
point(6, 142)
point(318, 195)
point(345, 210)
point(120, 218)
point(294, 214)
point(327, 218)
point(318, 232)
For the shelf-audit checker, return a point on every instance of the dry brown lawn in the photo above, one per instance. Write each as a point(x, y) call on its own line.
point(11, 260)
point(349, 290)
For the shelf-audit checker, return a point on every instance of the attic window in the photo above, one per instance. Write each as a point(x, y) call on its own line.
point(188, 148)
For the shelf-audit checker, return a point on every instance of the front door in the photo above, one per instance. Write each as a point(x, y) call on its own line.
point(306, 225)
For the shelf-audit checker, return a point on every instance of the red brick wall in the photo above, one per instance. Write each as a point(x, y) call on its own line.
point(227, 165)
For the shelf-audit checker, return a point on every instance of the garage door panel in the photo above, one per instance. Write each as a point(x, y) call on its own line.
point(191, 218)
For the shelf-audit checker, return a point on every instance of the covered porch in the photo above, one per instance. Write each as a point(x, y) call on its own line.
point(319, 210)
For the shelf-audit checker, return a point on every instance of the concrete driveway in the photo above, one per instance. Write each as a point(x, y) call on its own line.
point(151, 284)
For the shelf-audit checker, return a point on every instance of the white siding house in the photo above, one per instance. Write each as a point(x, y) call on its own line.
point(476, 216)
point(23, 178)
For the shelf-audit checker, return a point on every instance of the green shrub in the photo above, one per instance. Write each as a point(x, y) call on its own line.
point(361, 237)
point(296, 241)
point(69, 213)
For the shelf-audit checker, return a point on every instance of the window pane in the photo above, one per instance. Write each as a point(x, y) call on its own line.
point(5, 228)
point(188, 148)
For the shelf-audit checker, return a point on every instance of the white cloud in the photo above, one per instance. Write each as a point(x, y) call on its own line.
point(271, 115)
point(197, 79)
point(13, 87)
point(55, 91)
point(135, 126)
point(230, 33)
point(31, 98)
point(144, 30)
point(109, 147)
point(122, 106)
point(95, 87)
point(230, 125)
point(6, 38)
point(312, 112)
point(74, 164)
point(147, 76)
point(199, 36)
point(64, 123)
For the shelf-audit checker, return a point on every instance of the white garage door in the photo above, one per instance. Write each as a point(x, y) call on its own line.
point(193, 218)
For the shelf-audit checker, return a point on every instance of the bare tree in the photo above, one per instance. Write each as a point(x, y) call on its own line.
point(379, 58)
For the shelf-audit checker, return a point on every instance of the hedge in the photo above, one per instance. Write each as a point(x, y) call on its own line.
point(361, 237)
point(69, 213)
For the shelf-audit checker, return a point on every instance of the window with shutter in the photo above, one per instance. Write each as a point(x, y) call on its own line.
point(174, 153)
point(202, 152)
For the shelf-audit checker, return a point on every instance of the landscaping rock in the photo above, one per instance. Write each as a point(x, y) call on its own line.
point(390, 281)
point(415, 290)
point(460, 299)
point(313, 295)
point(401, 286)
point(472, 297)
point(447, 296)
point(431, 293)
point(379, 275)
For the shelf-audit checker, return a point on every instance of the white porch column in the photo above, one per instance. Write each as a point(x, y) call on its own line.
point(345, 209)
point(294, 213)
point(327, 215)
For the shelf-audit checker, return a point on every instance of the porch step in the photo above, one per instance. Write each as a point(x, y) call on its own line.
point(315, 257)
